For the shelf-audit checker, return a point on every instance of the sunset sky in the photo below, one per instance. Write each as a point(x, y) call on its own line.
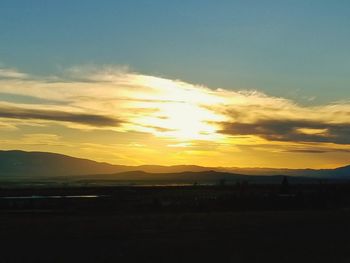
point(212, 83)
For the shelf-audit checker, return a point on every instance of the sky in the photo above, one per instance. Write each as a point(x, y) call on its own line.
point(215, 83)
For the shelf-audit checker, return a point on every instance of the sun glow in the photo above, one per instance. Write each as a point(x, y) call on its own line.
point(180, 111)
point(131, 118)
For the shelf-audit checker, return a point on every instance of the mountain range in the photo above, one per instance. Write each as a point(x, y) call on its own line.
point(21, 164)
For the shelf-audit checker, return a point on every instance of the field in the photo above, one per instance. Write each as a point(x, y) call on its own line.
point(175, 224)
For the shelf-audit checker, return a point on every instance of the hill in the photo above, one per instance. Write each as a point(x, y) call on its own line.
point(48, 165)
point(29, 164)
point(202, 177)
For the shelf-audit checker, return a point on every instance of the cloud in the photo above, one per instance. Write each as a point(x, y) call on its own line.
point(59, 116)
point(6, 73)
point(291, 130)
point(318, 150)
point(116, 98)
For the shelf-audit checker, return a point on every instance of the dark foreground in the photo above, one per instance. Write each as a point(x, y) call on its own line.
point(193, 224)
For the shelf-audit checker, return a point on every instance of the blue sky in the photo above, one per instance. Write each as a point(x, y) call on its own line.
point(294, 49)
point(217, 83)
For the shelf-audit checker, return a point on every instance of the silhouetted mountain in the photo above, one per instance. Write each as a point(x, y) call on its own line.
point(26, 164)
point(48, 165)
point(341, 172)
point(203, 177)
point(173, 168)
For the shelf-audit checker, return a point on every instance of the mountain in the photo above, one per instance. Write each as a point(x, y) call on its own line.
point(341, 172)
point(171, 177)
point(48, 165)
point(210, 177)
point(25, 164)
point(29, 164)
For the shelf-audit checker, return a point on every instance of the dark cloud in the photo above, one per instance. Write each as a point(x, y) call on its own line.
point(307, 151)
point(159, 129)
point(289, 130)
point(318, 151)
point(55, 115)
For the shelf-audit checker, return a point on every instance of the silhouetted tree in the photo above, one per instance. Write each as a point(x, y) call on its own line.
point(285, 189)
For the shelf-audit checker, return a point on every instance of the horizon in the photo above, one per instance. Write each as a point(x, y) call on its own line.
point(229, 84)
point(209, 167)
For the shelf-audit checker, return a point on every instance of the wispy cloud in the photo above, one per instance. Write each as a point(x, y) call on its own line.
point(59, 116)
point(291, 130)
point(118, 99)
point(7, 73)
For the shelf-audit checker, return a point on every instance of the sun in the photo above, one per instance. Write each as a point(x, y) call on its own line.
point(181, 111)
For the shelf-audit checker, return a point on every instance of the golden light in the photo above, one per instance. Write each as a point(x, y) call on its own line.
point(181, 110)
point(312, 131)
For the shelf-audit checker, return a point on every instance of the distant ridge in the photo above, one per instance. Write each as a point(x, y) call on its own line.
point(17, 163)
point(203, 177)
point(21, 163)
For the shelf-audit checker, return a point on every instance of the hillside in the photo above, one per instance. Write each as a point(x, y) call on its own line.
point(210, 177)
point(28, 164)
point(43, 164)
